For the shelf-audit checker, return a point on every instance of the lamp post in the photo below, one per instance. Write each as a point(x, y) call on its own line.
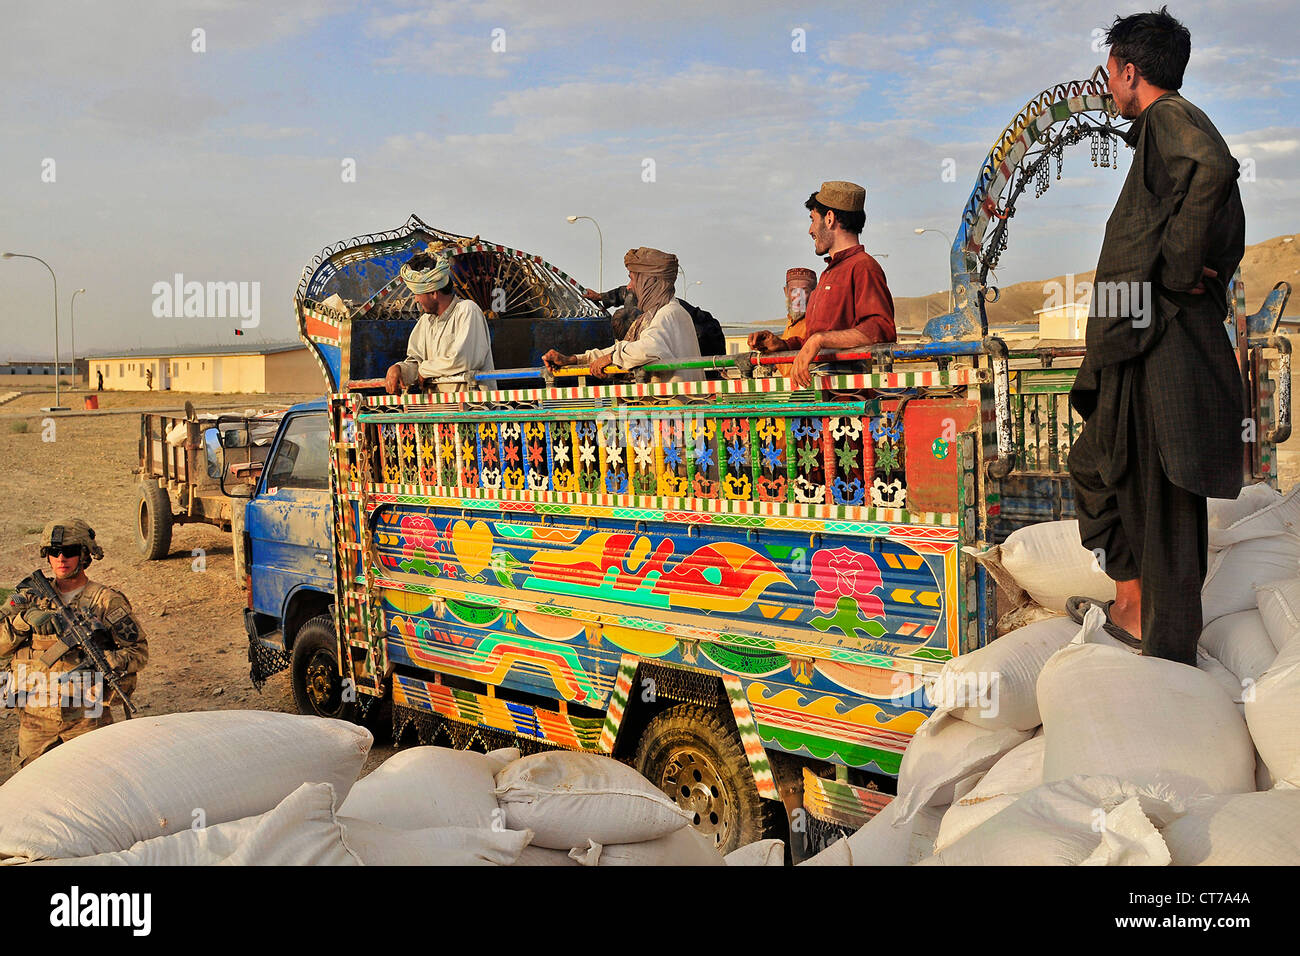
point(20, 255)
point(600, 276)
point(72, 321)
point(921, 231)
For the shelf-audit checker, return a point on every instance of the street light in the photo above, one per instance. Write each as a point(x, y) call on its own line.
point(72, 321)
point(601, 237)
point(921, 231)
point(21, 255)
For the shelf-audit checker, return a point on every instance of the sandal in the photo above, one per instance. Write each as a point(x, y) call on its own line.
point(1077, 607)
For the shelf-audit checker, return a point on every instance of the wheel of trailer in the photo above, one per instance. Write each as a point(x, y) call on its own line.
point(153, 526)
point(695, 756)
point(314, 672)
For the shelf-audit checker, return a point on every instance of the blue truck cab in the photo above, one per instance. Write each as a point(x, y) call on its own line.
point(288, 550)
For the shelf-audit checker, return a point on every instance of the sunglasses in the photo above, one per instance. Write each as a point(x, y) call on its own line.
point(72, 551)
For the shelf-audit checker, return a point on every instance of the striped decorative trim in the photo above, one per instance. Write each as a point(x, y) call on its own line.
point(843, 519)
point(617, 704)
point(754, 752)
point(839, 802)
point(949, 378)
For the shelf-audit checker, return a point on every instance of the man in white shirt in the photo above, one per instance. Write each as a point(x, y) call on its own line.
point(661, 332)
point(450, 344)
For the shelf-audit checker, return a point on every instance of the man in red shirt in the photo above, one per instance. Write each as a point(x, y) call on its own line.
point(851, 305)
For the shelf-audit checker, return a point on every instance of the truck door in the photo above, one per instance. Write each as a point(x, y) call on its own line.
point(288, 521)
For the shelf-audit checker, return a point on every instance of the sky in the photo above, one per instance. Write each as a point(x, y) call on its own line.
point(133, 148)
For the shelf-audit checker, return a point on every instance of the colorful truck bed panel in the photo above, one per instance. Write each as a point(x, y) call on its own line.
point(538, 547)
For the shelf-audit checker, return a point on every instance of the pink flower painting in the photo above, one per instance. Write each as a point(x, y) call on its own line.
point(846, 573)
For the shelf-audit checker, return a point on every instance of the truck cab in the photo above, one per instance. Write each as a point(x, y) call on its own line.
point(287, 549)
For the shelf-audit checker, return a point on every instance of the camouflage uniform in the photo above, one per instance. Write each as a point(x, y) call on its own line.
point(32, 656)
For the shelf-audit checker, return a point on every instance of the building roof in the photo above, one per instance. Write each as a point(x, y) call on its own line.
point(264, 348)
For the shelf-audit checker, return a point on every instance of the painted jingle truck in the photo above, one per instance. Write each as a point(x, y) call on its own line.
point(738, 587)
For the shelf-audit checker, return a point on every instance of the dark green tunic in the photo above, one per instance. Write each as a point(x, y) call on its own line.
point(1180, 209)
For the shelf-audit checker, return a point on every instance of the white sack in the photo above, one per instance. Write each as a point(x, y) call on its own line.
point(428, 787)
point(1258, 512)
point(1095, 821)
point(759, 853)
point(1240, 642)
point(498, 760)
point(995, 686)
point(885, 840)
point(943, 752)
point(1240, 829)
point(1208, 664)
point(378, 845)
point(1048, 560)
point(301, 831)
point(1279, 606)
point(1142, 719)
point(1017, 772)
point(684, 847)
point(567, 798)
point(1235, 571)
point(1273, 714)
point(137, 779)
point(533, 855)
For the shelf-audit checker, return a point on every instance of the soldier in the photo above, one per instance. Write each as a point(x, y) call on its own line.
point(31, 647)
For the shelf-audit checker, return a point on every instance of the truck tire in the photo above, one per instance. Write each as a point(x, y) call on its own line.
point(314, 671)
point(695, 756)
point(153, 526)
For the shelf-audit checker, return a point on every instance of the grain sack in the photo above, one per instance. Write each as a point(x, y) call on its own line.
point(533, 855)
point(1273, 714)
point(996, 686)
point(1028, 613)
point(684, 847)
point(1090, 821)
point(1240, 642)
point(138, 779)
point(1017, 772)
point(428, 787)
point(885, 840)
point(203, 846)
point(1143, 719)
point(1048, 560)
point(1235, 571)
point(498, 760)
point(1258, 512)
point(1208, 664)
point(301, 831)
point(378, 845)
point(1279, 606)
point(759, 853)
point(1240, 829)
point(569, 798)
point(1263, 776)
point(943, 752)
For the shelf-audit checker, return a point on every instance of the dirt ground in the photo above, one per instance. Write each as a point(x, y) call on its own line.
point(189, 605)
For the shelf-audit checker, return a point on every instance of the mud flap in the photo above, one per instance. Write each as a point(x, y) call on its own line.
point(265, 660)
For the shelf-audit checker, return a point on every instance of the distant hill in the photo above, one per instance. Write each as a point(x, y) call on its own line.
point(1263, 265)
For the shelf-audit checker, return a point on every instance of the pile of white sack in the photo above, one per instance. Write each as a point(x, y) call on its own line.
point(262, 788)
point(1056, 744)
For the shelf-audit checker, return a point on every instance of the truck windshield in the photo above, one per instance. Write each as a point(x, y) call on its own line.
point(302, 460)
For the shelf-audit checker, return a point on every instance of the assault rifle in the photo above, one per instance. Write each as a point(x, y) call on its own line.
point(79, 629)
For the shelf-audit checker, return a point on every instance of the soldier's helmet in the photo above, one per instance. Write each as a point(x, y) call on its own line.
point(68, 533)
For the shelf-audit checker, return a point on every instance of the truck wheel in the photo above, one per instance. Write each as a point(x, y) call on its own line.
point(694, 755)
point(314, 672)
point(153, 527)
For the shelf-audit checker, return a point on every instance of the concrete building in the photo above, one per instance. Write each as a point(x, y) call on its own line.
point(1068, 321)
point(285, 367)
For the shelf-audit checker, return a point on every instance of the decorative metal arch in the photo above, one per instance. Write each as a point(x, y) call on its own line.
point(1022, 154)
